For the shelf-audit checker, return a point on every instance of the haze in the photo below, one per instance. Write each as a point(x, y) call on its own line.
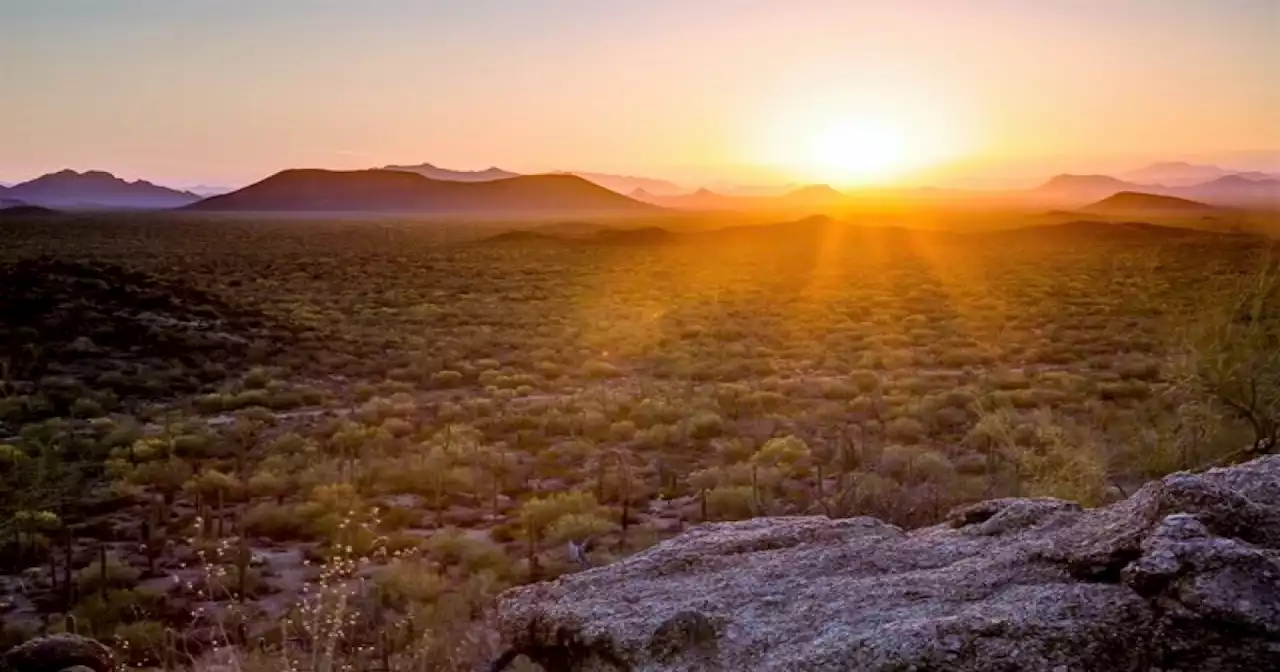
point(810, 90)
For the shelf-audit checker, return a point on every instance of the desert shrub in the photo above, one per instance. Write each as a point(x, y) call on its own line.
point(705, 425)
point(166, 476)
point(578, 527)
point(452, 547)
point(212, 483)
point(117, 574)
point(932, 467)
point(540, 513)
point(789, 454)
point(1232, 353)
point(868, 494)
point(622, 430)
point(896, 461)
point(277, 522)
point(142, 643)
point(737, 502)
point(407, 581)
point(446, 379)
point(905, 430)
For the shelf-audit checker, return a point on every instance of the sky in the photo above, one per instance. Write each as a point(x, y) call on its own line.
point(754, 91)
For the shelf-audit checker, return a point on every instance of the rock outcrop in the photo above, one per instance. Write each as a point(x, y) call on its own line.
point(59, 653)
point(1183, 575)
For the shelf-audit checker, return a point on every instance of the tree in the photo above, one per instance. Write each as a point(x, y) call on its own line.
point(1233, 353)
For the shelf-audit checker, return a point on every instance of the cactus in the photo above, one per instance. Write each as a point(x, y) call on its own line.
point(242, 568)
point(68, 587)
point(102, 569)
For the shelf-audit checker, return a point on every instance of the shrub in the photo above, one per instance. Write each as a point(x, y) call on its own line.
point(540, 513)
point(446, 379)
point(578, 527)
point(117, 575)
point(142, 643)
point(789, 454)
point(455, 548)
point(905, 430)
point(737, 502)
point(278, 523)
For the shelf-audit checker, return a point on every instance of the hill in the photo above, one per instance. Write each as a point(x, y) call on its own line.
point(626, 184)
point(1131, 203)
point(437, 173)
point(397, 191)
point(1183, 174)
point(1083, 188)
point(25, 210)
point(1236, 191)
point(96, 189)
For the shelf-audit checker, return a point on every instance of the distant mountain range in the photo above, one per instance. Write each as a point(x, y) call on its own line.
point(1229, 190)
point(95, 190)
point(1182, 174)
point(71, 190)
point(325, 191)
point(436, 173)
point(622, 184)
point(625, 184)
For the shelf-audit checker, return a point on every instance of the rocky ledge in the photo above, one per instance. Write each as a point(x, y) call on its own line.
point(1183, 575)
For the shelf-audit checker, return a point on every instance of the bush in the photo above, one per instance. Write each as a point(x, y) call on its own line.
point(578, 527)
point(540, 513)
point(789, 454)
point(143, 643)
point(278, 523)
point(117, 575)
point(454, 548)
point(736, 502)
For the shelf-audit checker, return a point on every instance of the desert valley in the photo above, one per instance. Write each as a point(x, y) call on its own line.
point(834, 392)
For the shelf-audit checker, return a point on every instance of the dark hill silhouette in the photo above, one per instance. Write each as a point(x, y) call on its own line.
point(437, 173)
point(309, 190)
point(1091, 229)
point(25, 210)
point(1139, 203)
point(522, 236)
point(96, 189)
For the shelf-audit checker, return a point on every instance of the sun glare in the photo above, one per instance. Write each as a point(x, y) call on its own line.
point(858, 152)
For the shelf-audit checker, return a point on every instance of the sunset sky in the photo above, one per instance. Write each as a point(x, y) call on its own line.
point(844, 91)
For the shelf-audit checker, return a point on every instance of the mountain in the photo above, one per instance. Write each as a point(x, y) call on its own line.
point(437, 173)
point(24, 210)
point(398, 191)
point(206, 190)
point(97, 190)
point(626, 184)
point(1084, 188)
point(1236, 190)
point(1133, 203)
point(815, 194)
point(1182, 174)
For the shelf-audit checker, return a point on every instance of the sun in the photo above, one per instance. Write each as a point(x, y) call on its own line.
point(848, 152)
point(869, 138)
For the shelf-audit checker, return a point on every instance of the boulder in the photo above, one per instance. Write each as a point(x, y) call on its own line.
point(58, 653)
point(1183, 575)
